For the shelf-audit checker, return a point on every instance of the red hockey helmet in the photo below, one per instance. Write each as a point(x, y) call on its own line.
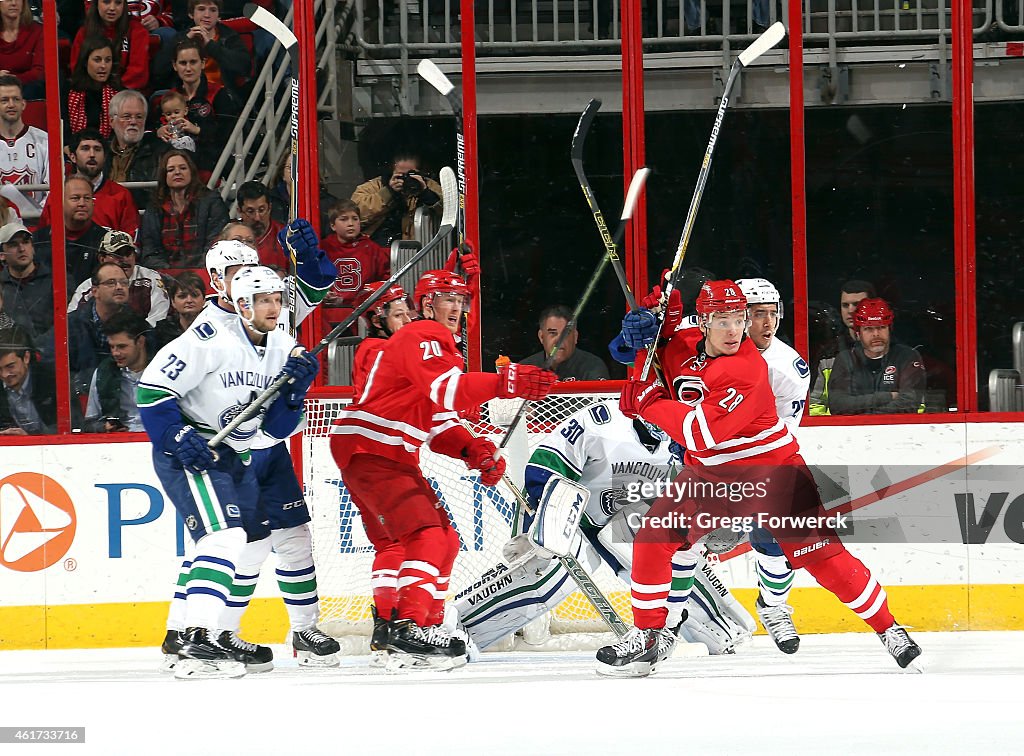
point(873, 312)
point(441, 282)
point(394, 293)
point(720, 296)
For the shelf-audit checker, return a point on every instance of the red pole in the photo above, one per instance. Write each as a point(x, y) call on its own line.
point(55, 133)
point(633, 142)
point(472, 209)
point(963, 208)
point(798, 195)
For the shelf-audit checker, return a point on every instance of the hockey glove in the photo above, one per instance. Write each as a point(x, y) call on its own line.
point(465, 256)
point(479, 455)
point(301, 237)
point(639, 328)
point(189, 448)
point(621, 352)
point(524, 381)
point(637, 396)
point(301, 369)
point(672, 310)
point(677, 450)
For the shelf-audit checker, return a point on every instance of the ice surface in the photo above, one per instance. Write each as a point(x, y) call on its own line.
point(840, 694)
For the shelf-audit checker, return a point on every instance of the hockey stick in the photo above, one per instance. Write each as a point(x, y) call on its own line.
point(757, 48)
point(635, 187)
point(449, 191)
point(276, 28)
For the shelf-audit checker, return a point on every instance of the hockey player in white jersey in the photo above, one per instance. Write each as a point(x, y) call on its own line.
point(192, 389)
point(281, 498)
point(610, 456)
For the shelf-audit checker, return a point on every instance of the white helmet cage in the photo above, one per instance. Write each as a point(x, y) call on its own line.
point(760, 291)
point(247, 284)
point(225, 254)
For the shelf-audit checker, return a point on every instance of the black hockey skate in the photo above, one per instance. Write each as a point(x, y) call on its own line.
point(170, 647)
point(637, 653)
point(202, 656)
point(778, 623)
point(314, 648)
point(379, 638)
point(410, 646)
point(902, 648)
point(255, 658)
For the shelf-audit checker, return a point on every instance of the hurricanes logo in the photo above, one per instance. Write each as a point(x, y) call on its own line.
point(37, 522)
point(689, 390)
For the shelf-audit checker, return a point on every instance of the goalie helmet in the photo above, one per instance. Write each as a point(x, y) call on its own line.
point(247, 284)
point(873, 312)
point(226, 254)
point(720, 296)
point(441, 282)
point(760, 291)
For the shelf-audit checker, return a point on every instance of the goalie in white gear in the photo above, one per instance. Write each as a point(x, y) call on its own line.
point(610, 455)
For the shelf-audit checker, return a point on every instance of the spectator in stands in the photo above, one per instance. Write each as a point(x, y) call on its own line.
point(212, 109)
point(876, 375)
point(112, 406)
point(146, 294)
point(357, 257)
point(24, 150)
point(82, 234)
point(27, 286)
point(851, 294)
point(253, 199)
point(28, 402)
point(155, 19)
point(134, 151)
point(184, 217)
point(94, 82)
point(113, 205)
point(387, 203)
point(227, 61)
point(238, 230)
point(21, 47)
point(87, 344)
point(173, 120)
point(188, 296)
point(571, 364)
point(110, 20)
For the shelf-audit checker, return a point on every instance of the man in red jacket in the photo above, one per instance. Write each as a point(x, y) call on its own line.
point(412, 395)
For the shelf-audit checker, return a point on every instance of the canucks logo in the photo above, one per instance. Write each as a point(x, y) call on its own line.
point(801, 367)
point(247, 429)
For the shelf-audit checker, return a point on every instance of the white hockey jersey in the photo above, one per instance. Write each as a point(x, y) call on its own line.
point(790, 379)
point(601, 449)
point(25, 160)
point(215, 371)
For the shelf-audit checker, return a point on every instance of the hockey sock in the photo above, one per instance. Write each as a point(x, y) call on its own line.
point(684, 564)
point(247, 574)
point(212, 576)
point(436, 615)
point(852, 583)
point(651, 579)
point(384, 578)
point(176, 614)
point(774, 575)
point(425, 549)
point(296, 575)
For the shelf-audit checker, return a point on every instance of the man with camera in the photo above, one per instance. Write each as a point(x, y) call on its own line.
point(387, 203)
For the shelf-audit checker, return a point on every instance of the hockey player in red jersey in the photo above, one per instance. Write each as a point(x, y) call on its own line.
point(413, 391)
point(723, 413)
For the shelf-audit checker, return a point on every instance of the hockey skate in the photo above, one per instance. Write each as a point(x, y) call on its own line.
point(314, 648)
point(255, 658)
point(171, 646)
point(203, 657)
point(410, 646)
point(902, 648)
point(637, 653)
point(779, 625)
point(379, 639)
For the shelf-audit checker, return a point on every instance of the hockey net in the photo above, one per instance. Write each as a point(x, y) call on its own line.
point(482, 515)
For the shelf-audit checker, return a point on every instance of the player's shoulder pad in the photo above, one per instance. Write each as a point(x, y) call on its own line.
point(204, 331)
point(791, 358)
point(422, 329)
point(600, 413)
point(745, 368)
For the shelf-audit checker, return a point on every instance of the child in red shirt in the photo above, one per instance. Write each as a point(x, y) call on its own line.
point(359, 259)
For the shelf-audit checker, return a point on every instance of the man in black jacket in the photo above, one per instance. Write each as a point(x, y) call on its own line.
point(27, 286)
point(28, 399)
point(134, 152)
point(876, 376)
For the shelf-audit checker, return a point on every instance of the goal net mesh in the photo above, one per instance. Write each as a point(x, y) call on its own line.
point(484, 516)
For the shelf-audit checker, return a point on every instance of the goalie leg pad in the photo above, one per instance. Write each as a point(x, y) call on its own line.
point(559, 511)
point(718, 596)
point(703, 624)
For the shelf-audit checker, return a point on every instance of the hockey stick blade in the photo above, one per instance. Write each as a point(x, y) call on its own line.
point(271, 23)
point(450, 195)
point(433, 75)
point(768, 39)
point(633, 194)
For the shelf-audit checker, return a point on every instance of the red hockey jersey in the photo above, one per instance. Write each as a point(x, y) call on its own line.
point(728, 409)
point(413, 391)
point(363, 361)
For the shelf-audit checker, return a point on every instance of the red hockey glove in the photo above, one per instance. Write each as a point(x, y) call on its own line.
point(672, 312)
point(479, 455)
point(465, 256)
point(637, 396)
point(524, 381)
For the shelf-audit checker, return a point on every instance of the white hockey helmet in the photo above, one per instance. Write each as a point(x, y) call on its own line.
point(760, 291)
point(225, 254)
point(247, 284)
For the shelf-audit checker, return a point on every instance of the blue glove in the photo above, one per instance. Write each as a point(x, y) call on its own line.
point(620, 352)
point(302, 238)
point(639, 328)
point(301, 369)
point(677, 450)
point(184, 443)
